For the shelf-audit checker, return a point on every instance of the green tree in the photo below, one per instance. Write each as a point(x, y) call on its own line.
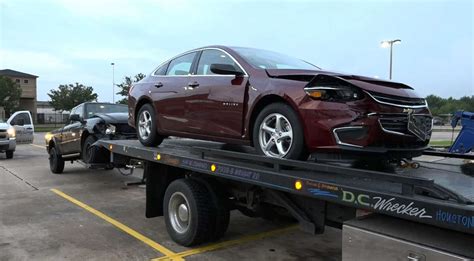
point(439, 105)
point(68, 96)
point(126, 84)
point(10, 93)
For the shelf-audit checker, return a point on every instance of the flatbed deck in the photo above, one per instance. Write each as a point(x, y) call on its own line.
point(430, 195)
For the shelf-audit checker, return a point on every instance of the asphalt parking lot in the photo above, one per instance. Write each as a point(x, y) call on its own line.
point(91, 215)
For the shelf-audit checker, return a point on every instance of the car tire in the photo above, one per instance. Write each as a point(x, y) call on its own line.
point(195, 224)
point(56, 162)
point(289, 120)
point(9, 154)
point(147, 131)
point(87, 153)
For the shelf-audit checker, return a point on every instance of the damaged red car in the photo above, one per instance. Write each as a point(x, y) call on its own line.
point(283, 106)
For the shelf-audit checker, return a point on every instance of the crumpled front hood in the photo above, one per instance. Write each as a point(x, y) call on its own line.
point(365, 83)
point(113, 118)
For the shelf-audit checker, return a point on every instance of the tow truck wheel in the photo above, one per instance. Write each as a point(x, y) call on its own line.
point(220, 207)
point(9, 154)
point(56, 162)
point(188, 215)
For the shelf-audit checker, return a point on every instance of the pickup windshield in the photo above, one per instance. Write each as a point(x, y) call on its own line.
point(94, 108)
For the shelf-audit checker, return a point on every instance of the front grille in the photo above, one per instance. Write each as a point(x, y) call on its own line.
point(396, 124)
point(3, 134)
point(400, 124)
point(397, 100)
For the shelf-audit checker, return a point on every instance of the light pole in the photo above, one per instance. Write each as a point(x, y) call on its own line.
point(113, 82)
point(390, 43)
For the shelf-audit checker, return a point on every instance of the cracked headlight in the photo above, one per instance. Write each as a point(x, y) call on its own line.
point(110, 129)
point(11, 132)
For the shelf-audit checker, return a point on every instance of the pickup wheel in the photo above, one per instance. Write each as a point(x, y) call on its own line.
point(147, 131)
point(88, 153)
point(56, 162)
point(9, 154)
point(278, 133)
point(189, 217)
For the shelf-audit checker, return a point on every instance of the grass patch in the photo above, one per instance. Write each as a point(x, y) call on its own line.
point(440, 143)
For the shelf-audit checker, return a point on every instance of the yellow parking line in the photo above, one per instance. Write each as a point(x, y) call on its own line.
point(43, 147)
point(170, 255)
point(229, 243)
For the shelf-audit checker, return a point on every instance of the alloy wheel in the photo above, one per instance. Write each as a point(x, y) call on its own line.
point(144, 124)
point(275, 135)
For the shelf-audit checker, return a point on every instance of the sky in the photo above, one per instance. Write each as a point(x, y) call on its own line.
point(68, 41)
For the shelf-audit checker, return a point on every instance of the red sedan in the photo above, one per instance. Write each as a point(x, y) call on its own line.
point(283, 106)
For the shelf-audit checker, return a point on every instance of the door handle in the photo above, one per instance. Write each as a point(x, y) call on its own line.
point(158, 84)
point(193, 84)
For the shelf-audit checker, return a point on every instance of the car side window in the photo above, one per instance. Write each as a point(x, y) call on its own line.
point(80, 111)
point(181, 65)
point(161, 70)
point(21, 119)
point(213, 56)
point(73, 111)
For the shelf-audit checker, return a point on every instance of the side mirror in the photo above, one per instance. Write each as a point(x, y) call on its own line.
point(74, 117)
point(225, 69)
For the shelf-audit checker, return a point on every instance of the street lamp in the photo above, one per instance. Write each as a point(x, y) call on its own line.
point(390, 43)
point(113, 82)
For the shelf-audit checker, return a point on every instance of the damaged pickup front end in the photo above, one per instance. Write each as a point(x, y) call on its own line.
point(359, 116)
point(111, 126)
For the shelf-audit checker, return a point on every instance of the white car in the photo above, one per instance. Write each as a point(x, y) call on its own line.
point(19, 129)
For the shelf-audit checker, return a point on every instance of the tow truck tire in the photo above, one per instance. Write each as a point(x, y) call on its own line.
point(151, 139)
point(221, 209)
point(9, 154)
point(188, 215)
point(56, 162)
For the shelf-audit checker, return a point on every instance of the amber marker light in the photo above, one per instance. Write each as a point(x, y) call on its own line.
point(158, 156)
point(298, 185)
point(316, 94)
point(111, 147)
point(213, 167)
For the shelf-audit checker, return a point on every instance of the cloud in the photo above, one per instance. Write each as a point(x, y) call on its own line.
point(31, 61)
point(117, 54)
point(124, 9)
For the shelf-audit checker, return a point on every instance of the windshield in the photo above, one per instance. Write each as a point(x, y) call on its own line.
point(263, 59)
point(93, 108)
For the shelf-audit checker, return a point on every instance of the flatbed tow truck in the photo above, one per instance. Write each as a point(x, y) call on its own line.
point(418, 214)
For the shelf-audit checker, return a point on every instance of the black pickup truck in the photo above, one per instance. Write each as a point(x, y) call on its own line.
point(88, 122)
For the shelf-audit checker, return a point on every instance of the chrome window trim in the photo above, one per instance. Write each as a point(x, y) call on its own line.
point(199, 75)
point(338, 141)
point(321, 88)
point(397, 105)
